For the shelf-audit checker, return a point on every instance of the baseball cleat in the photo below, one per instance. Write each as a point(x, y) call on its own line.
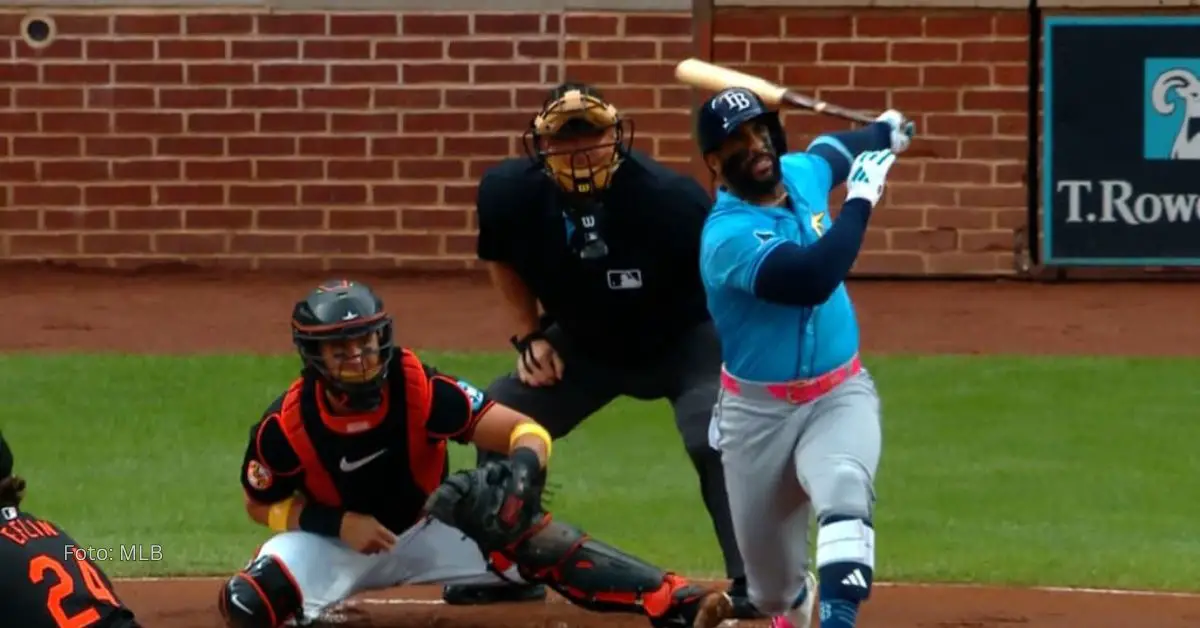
point(801, 616)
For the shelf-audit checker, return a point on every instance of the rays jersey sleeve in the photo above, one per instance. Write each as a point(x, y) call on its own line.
point(733, 246)
point(809, 175)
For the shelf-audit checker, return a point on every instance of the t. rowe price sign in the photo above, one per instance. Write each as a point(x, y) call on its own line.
point(1121, 162)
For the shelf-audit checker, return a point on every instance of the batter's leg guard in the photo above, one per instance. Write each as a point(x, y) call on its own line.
point(263, 595)
point(846, 566)
point(602, 578)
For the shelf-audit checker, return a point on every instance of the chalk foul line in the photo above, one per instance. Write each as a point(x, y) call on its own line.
point(913, 585)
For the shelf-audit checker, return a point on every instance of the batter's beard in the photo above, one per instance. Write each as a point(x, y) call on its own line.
point(736, 170)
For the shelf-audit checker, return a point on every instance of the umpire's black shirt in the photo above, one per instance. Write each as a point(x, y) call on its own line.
point(630, 305)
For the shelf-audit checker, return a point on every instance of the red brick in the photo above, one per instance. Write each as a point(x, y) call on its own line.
point(359, 169)
point(118, 196)
point(188, 194)
point(120, 49)
point(410, 146)
point(288, 122)
point(74, 170)
point(888, 26)
point(435, 24)
point(18, 171)
point(77, 219)
point(288, 169)
point(479, 98)
point(43, 146)
point(76, 73)
point(333, 146)
point(336, 98)
point(292, 24)
point(336, 49)
point(203, 98)
point(480, 49)
point(364, 24)
point(748, 25)
point(224, 170)
point(192, 49)
point(43, 244)
point(417, 49)
point(292, 73)
point(220, 73)
point(648, 73)
point(190, 243)
point(476, 146)
point(922, 51)
point(362, 219)
point(155, 74)
point(895, 76)
point(994, 100)
point(807, 78)
point(298, 219)
point(265, 49)
point(201, 219)
point(424, 169)
point(18, 73)
point(265, 195)
point(916, 101)
point(46, 195)
point(959, 27)
point(219, 24)
point(435, 73)
point(783, 52)
point(404, 194)
point(58, 49)
point(121, 98)
point(408, 244)
point(364, 123)
point(592, 25)
point(115, 243)
point(264, 244)
point(387, 74)
point(264, 98)
point(190, 146)
point(507, 23)
point(83, 24)
point(819, 26)
point(658, 25)
point(852, 51)
point(147, 170)
point(149, 24)
point(498, 73)
point(340, 244)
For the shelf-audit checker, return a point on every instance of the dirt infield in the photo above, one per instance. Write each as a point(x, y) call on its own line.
point(194, 312)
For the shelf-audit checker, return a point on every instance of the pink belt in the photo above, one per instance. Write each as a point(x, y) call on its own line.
point(797, 392)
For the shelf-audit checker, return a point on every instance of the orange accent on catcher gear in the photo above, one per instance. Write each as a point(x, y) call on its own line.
point(579, 112)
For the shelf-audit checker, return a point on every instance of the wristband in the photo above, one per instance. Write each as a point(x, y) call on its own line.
point(277, 516)
point(321, 520)
point(529, 427)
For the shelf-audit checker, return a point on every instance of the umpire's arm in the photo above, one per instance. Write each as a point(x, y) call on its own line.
point(496, 245)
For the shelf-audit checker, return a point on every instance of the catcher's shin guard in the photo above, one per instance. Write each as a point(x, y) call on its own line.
point(263, 595)
point(601, 578)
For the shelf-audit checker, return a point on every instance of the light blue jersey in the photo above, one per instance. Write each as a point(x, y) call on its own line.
point(763, 341)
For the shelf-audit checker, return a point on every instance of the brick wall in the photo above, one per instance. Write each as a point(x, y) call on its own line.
point(352, 140)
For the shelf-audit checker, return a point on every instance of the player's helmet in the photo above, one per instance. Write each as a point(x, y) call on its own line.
point(558, 138)
point(728, 109)
point(342, 310)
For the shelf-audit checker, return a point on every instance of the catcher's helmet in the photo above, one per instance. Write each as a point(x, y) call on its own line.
point(342, 310)
point(575, 113)
point(720, 116)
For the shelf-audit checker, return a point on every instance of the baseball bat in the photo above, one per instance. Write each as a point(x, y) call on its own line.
point(703, 74)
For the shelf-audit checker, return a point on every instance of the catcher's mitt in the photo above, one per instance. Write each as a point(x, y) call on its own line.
point(494, 505)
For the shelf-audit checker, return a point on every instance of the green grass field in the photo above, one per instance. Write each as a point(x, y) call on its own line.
point(1065, 472)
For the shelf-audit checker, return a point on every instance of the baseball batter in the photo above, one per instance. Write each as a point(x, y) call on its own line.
point(797, 421)
point(349, 468)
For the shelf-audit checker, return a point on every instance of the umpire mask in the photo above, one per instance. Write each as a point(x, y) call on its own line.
point(580, 140)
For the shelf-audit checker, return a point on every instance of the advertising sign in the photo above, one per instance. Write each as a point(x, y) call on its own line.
point(1121, 141)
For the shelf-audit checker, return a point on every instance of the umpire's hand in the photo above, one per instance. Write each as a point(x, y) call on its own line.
point(540, 365)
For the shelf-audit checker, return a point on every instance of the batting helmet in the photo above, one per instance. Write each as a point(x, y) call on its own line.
point(332, 315)
point(720, 116)
point(578, 138)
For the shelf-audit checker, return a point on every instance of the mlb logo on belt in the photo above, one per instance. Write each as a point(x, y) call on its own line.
point(625, 279)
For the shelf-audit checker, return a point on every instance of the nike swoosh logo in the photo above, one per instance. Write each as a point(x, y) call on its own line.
point(348, 466)
point(238, 603)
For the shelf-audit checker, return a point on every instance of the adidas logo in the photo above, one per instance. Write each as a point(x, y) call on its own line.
point(855, 579)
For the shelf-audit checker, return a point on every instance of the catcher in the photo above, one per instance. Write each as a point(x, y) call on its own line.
point(349, 468)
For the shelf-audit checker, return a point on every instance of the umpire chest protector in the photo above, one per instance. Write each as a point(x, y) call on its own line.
point(648, 283)
point(382, 463)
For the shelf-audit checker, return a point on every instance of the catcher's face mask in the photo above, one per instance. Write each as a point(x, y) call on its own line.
point(580, 140)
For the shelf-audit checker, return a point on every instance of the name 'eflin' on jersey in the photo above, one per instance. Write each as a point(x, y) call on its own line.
point(763, 341)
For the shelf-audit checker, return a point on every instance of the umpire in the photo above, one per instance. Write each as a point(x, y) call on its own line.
point(607, 241)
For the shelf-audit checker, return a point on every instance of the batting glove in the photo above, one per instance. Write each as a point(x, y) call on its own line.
point(867, 175)
point(902, 129)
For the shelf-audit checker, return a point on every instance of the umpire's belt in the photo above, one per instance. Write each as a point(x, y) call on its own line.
point(799, 392)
